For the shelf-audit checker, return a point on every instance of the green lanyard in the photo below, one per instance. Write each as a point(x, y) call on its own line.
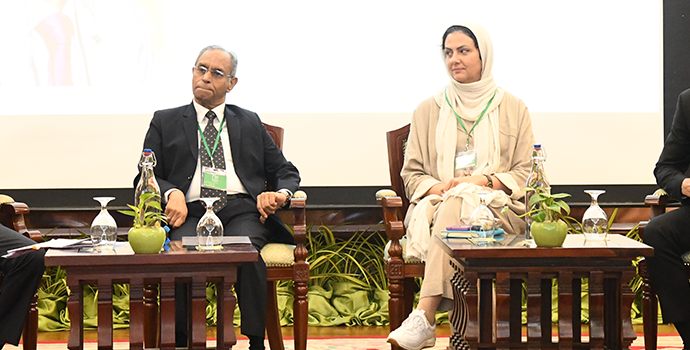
point(215, 145)
point(469, 133)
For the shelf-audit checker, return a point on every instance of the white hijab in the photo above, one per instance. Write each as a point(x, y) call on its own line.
point(469, 100)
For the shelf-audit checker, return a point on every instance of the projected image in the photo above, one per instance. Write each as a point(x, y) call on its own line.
point(76, 43)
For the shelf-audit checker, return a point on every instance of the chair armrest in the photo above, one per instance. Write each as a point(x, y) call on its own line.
point(13, 217)
point(392, 218)
point(298, 208)
point(658, 202)
point(395, 229)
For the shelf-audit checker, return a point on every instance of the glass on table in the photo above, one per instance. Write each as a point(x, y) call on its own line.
point(482, 220)
point(594, 221)
point(103, 227)
point(209, 230)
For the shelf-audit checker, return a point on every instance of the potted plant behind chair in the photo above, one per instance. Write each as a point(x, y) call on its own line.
point(549, 227)
point(146, 235)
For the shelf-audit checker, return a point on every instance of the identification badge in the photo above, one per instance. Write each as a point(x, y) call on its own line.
point(466, 161)
point(214, 178)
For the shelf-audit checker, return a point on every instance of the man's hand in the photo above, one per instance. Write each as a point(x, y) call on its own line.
point(268, 202)
point(176, 209)
point(685, 187)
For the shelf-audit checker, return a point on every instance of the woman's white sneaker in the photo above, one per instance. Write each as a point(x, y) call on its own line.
point(415, 333)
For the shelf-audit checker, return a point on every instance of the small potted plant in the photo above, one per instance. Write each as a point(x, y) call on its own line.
point(548, 215)
point(146, 235)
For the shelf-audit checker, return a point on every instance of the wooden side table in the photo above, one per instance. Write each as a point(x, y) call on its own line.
point(175, 266)
point(509, 262)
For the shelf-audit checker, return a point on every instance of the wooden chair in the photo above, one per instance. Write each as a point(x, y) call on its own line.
point(400, 272)
point(658, 203)
point(283, 262)
point(297, 270)
point(12, 216)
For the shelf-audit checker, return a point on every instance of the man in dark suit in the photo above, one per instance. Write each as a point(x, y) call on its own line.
point(23, 274)
point(669, 233)
point(210, 149)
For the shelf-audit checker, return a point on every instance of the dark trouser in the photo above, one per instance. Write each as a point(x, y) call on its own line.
point(240, 218)
point(669, 234)
point(22, 276)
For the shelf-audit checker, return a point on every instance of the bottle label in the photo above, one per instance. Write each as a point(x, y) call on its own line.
point(214, 178)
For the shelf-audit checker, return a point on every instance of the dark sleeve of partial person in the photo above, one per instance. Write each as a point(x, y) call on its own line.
point(675, 157)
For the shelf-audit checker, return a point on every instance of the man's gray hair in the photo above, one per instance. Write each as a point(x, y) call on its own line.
point(233, 71)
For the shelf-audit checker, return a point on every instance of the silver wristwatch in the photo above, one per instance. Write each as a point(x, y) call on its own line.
point(288, 195)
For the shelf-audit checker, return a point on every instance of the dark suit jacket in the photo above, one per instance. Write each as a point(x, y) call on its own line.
point(173, 137)
point(670, 170)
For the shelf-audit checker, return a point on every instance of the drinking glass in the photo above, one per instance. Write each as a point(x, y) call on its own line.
point(594, 221)
point(103, 227)
point(482, 220)
point(209, 230)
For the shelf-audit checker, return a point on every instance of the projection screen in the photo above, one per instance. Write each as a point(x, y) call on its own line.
point(80, 80)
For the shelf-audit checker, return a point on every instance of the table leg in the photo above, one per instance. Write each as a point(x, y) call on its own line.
point(486, 310)
point(565, 316)
point(75, 307)
point(198, 312)
point(167, 313)
point(105, 313)
point(628, 297)
point(596, 310)
point(516, 289)
point(503, 310)
point(534, 310)
point(577, 311)
point(226, 309)
point(136, 313)
point(462, 312)
point(151, 316)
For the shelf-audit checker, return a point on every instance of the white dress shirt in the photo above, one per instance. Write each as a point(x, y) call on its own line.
point(233, 182)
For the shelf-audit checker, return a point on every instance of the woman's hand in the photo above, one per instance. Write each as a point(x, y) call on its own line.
point(442, 187)
point(479, 180)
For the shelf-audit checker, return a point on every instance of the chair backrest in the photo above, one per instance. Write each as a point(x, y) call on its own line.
point(276, 133)
point(397, 142)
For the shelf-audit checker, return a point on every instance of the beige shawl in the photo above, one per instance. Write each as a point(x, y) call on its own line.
point(503, 140)
point(469, 100)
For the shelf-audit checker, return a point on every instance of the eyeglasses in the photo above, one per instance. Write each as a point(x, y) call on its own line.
point(215, 73)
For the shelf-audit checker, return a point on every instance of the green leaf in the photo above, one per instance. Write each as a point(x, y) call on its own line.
point(536, 198)
point(564, 206)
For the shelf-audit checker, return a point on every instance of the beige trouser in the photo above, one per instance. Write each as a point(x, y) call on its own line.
point(438, 271)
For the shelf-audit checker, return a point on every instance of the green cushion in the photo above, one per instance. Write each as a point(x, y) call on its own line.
point(278, 255)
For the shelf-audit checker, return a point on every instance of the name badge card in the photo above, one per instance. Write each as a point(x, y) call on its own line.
point(466, 161)
point(214, 178)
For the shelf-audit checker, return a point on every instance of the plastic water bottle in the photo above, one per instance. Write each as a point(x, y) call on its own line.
point(147, 180)
point(537, 178)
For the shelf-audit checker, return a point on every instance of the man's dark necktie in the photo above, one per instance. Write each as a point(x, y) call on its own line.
point(210, 134)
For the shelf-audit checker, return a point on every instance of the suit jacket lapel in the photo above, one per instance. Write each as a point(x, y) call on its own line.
point(191, 130)
point(234, 134)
